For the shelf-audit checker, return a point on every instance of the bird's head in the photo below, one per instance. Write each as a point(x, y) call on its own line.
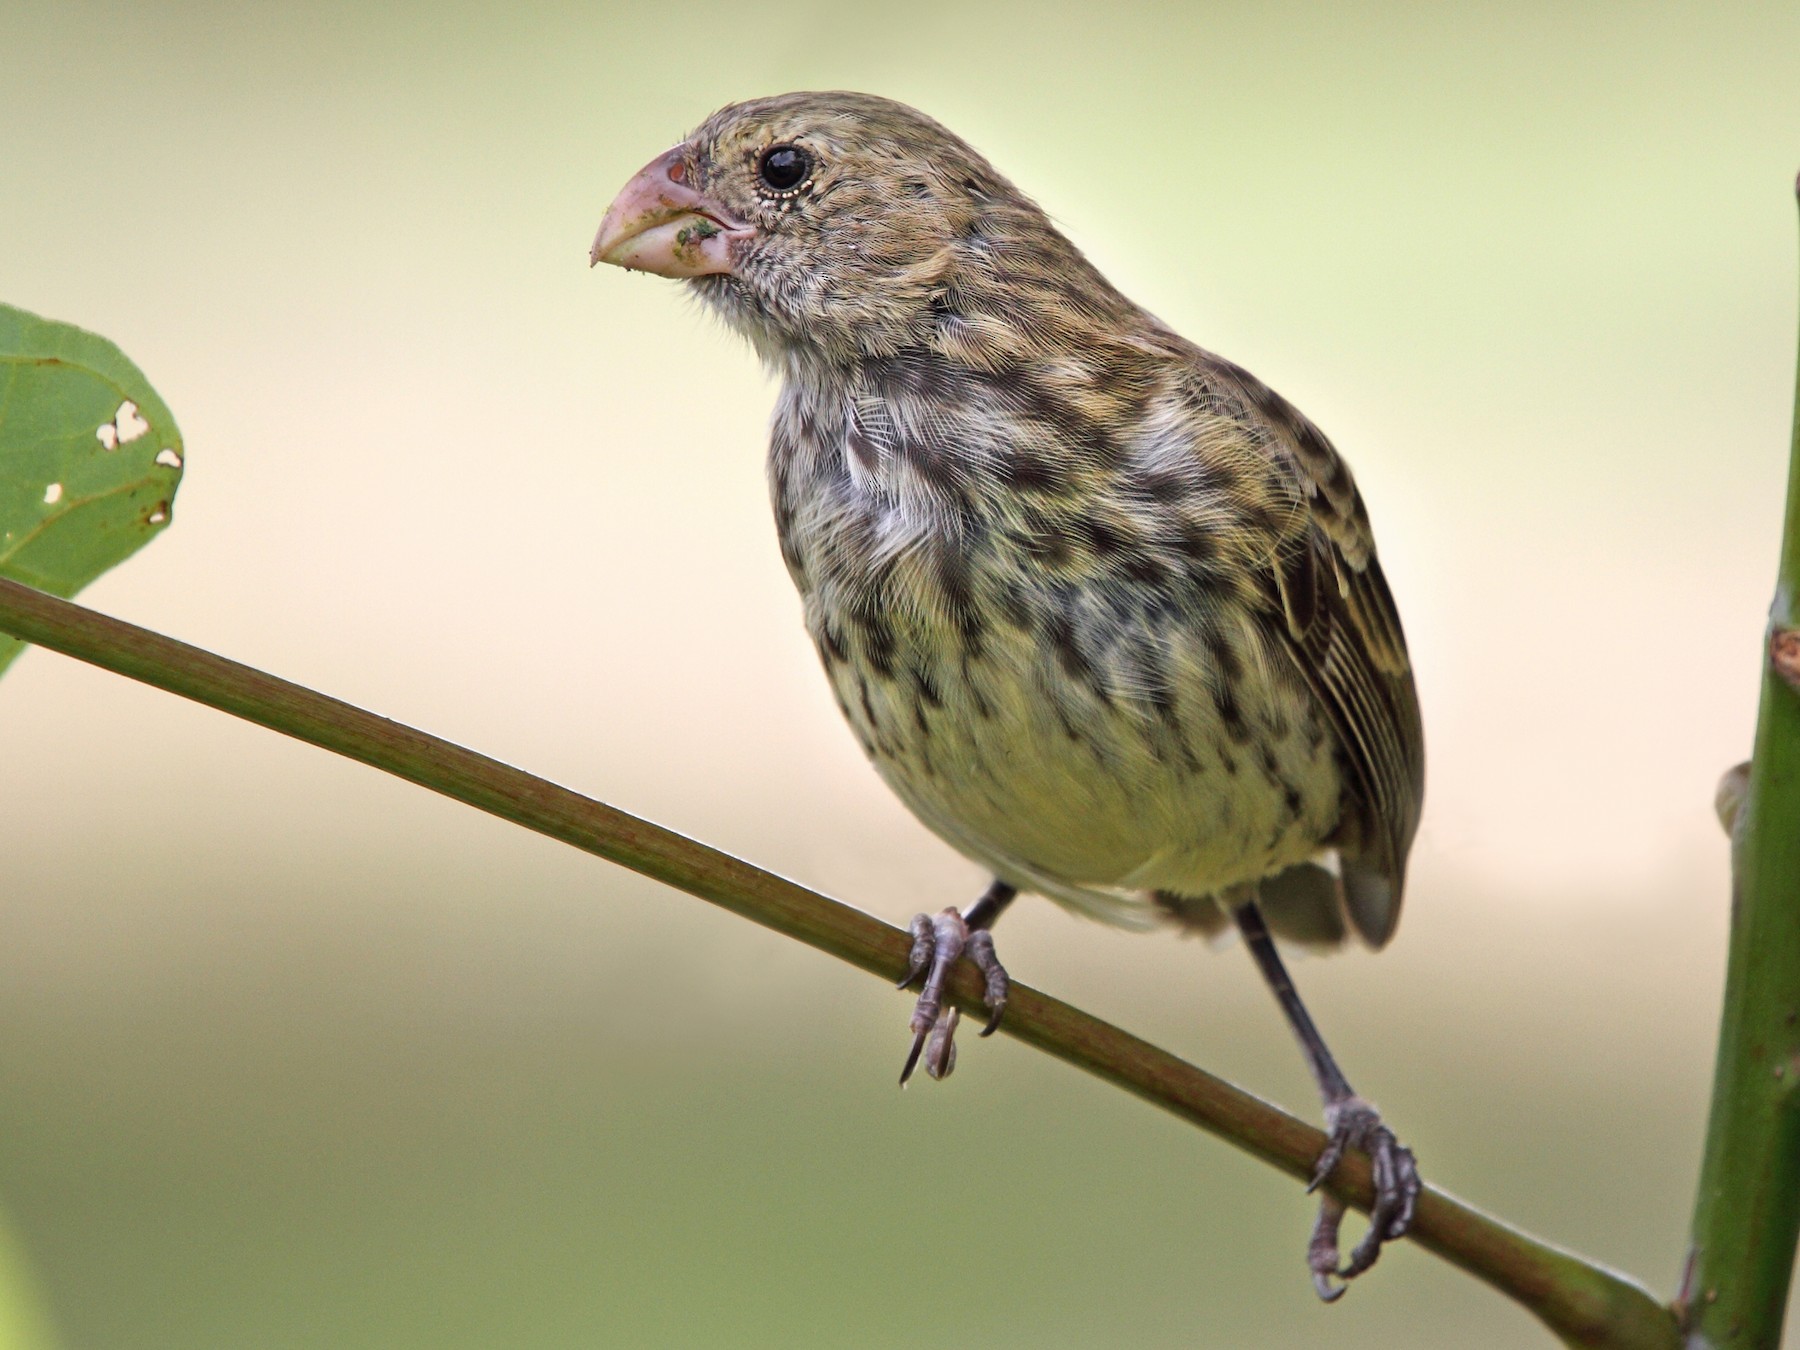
point(836, 227)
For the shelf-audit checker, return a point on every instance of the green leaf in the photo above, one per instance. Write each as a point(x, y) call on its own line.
point(89, 457)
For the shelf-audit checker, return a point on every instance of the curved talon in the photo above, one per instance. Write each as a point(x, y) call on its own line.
point(1396, 1197)
point(912, 1056)
point(1322, 1249)
point(920, 958)
point(1395, 1174)
point(939, 941)
point(940, 1051)
point(999, 984)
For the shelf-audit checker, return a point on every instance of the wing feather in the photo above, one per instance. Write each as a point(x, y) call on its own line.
point(1338, 623)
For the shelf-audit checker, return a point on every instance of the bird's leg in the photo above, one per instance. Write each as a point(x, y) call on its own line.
point(1351, 1122)
point(938, 940)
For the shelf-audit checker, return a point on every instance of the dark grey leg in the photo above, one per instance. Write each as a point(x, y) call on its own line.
point(991, 906)
point(1351, 1122)
point(938, 940)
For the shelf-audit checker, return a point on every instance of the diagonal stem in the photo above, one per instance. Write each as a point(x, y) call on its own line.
point(1583, 1303)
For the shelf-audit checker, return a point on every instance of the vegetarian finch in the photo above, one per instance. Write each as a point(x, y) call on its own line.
point(1101, 607)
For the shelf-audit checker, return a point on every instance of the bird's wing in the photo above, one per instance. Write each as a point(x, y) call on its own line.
point(1341, 629)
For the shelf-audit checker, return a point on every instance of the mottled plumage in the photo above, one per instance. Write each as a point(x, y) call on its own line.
point(1101, 607)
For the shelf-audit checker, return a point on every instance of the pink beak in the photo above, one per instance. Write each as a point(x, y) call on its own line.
point(660, 224)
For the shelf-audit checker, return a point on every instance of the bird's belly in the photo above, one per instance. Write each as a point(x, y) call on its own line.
point(1065, 785)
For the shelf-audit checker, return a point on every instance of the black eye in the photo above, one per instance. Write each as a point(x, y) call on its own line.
point(784, 167)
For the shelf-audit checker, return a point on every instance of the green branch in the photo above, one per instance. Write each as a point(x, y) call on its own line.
point(1747, 1215)
point(1584, 1304)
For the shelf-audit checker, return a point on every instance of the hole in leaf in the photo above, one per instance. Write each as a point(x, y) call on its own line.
point(168, 459)
point(130, 425)
point(125, 427)
point(53, 494)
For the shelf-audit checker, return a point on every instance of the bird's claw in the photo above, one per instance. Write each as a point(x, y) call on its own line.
point(923, 940)
point(1356, 1124)
point(1322, 1250)
point(938, 941)
point(999, 985)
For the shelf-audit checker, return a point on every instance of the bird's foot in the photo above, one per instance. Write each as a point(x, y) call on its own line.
point(938, 940)
point(1354, 1123)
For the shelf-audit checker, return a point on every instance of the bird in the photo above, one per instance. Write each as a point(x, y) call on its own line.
point(1101, 607)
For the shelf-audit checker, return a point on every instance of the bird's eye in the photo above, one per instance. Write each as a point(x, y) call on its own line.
point(784, 167)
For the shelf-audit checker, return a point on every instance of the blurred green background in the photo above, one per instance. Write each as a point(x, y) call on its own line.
point(294, 1055)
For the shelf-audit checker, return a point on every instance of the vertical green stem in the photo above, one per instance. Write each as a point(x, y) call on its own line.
point(1747, 1216)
